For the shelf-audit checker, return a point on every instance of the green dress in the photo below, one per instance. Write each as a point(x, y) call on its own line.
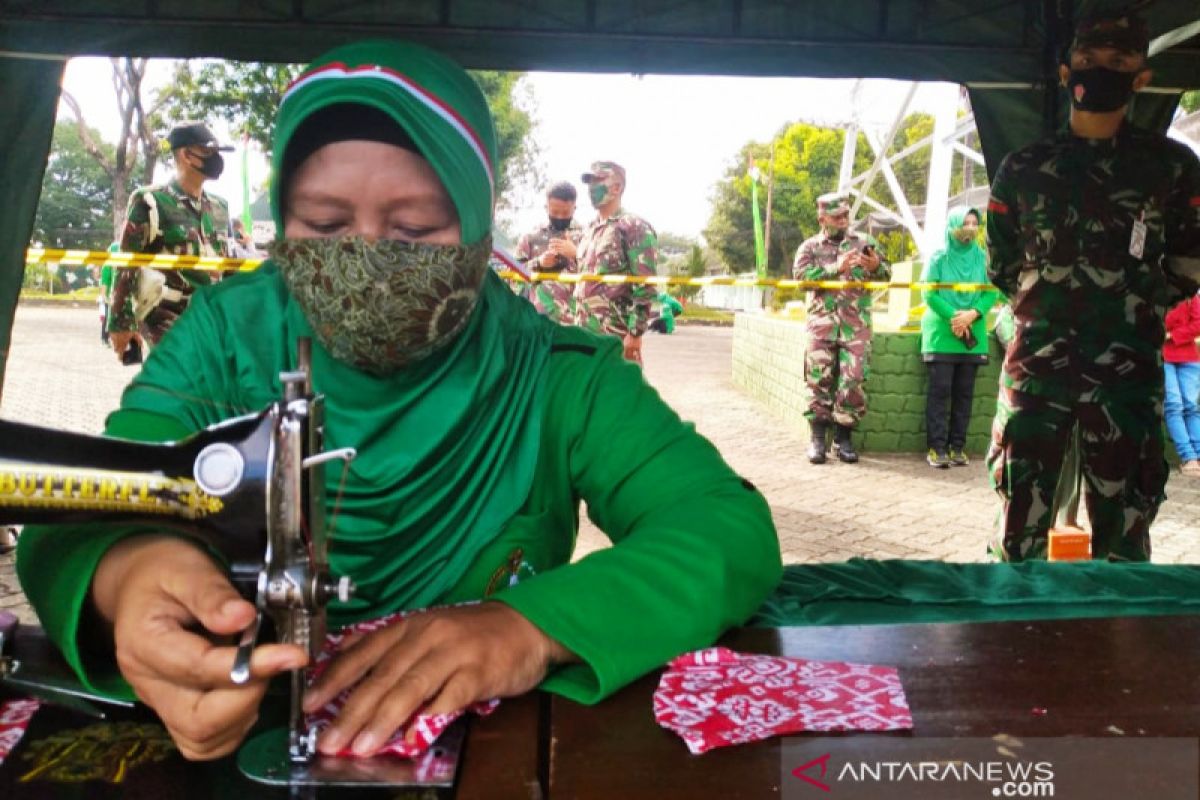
point(695, 549)
point(957, 262)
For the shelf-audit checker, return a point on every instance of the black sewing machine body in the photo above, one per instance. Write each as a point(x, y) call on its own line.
point(51, 476)
point(251, 488)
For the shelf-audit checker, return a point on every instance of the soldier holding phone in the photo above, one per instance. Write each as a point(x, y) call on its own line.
point(839, 325)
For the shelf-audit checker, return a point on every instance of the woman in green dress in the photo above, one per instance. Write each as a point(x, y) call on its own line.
point(479, 426)
point(954, 337)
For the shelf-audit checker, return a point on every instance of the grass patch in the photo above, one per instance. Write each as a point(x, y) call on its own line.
point(87, 295)
point(703, 315)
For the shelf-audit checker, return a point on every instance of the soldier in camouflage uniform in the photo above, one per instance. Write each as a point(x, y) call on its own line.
point(1093, 234)
point(839, 325)
point(616, 242)
point(178, 218)
point(553, 248)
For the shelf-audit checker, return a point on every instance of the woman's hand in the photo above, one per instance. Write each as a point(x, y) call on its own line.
point(962, 321)
point(168, 602)
point(448, 658)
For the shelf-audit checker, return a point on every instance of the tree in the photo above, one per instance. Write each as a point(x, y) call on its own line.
point(693, 266)
point(247, 96)
point(807, 160)
point(77, 192)
point(136, 150)
point(244, 94)
point(807, 164)
point(1190, 101)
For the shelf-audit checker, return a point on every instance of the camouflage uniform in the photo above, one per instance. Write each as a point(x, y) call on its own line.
point(1089, 307)
point(623, 244)
point(554, 299)
point(839, 324)
point(184, 227)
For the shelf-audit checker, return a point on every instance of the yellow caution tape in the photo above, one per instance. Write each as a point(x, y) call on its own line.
point(38, 255)
point(162, 261)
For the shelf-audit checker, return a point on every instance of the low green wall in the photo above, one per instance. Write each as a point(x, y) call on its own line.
point(768, 363)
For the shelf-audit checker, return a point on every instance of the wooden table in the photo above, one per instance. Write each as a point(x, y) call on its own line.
point(1140, 675)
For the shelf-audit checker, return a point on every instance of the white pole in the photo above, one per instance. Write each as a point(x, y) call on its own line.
point(941, 163)
point(885, 145)
point(851, 142)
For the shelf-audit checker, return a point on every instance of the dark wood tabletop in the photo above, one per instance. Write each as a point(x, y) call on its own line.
point(1132, 676)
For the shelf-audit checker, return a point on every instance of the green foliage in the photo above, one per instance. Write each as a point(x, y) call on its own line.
point(693, 266)
point(674, 244)
point(59, 280)
point(897, 246)
point(247, 96)
point(807, 160)
point(75, 209)
point(807, 163)
point(1190, 101)
point(244, 94)
point(518, 151)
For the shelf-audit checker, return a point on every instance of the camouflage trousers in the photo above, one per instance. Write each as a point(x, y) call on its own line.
point(1124, 472)
point(835, 371)
point(160, 319)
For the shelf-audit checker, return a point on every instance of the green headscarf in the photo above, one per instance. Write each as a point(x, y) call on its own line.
point(960, 262)
point(446, 446)
point(433, 99)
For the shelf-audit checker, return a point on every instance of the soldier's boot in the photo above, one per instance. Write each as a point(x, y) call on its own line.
point(816, 450)
point(842, 445)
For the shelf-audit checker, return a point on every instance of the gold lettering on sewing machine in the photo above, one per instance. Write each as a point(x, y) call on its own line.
point(67, 488)
point(104, 752)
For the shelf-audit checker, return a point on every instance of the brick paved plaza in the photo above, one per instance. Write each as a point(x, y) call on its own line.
point(887, 506)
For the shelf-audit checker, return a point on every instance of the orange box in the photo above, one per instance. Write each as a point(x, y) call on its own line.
point(1068, 543)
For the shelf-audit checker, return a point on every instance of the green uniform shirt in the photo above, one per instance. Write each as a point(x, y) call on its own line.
point(164, 219)
point(695, 549)
point(1092, 240)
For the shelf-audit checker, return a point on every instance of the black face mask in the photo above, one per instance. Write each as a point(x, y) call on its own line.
point(560, 223)
point(1100, 89)
point(212, 166)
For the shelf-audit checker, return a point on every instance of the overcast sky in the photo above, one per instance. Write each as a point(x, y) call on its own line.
point(674, 135)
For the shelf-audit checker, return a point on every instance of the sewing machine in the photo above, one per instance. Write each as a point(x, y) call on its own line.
point(252, 488)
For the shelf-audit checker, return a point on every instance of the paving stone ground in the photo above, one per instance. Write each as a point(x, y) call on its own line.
point(886, 506)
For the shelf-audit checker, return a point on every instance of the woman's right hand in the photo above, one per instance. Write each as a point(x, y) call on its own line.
point(170, 607)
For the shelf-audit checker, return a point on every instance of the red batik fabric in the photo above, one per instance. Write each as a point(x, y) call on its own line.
point(716, 697)
point(14, 719)
point(415, 737)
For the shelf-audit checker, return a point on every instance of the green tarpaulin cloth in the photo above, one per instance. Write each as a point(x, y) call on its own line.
point(868, 592)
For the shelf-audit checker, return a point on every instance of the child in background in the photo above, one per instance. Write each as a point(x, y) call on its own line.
point(1181, 370)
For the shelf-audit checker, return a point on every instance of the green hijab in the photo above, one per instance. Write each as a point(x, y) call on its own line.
point(446, 446)
point(960, 262)
point(432, 98)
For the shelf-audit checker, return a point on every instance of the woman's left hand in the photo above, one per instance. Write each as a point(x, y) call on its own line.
point(447, 658)
point(961, 321)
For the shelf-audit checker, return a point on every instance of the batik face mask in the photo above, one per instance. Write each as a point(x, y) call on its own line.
point(379, 305)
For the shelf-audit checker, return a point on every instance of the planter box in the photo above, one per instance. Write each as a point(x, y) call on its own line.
point(768, 363)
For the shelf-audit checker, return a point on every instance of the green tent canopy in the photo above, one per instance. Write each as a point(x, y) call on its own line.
point(1005, 51)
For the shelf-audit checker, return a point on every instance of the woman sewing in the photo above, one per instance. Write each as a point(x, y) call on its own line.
point(479, 427)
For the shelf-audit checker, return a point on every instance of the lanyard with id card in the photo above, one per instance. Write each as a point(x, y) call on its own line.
point(1137, 239)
